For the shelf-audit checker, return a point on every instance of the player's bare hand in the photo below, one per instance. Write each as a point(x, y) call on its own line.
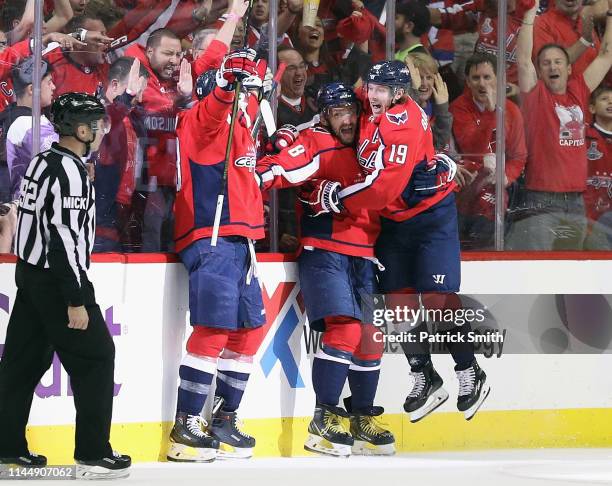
point(98, 39)
point(440, 90)
point(464, 177)
point(239, 7)
point(67, 42)
point(78, 318)
point(414, 73)
point(185, 83)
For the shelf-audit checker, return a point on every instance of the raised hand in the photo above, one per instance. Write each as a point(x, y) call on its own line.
point(440, 90)
point(185, 82)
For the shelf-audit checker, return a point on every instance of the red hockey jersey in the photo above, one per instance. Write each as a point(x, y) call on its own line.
point(598, 194)
point(390, 146)
point(203, 131)
point(317, 154)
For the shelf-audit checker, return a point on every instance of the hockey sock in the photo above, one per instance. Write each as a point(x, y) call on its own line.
point(196, 374)
point(363, 381)
point(232, 376)
point(329, 370)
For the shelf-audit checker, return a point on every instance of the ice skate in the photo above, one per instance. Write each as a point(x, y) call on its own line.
point(473, 390)
point(114, 466)
point(426, 395)
point(233, 443)
point(27, 460)
point(370, 439)
point(190, 441)
point(327, 433)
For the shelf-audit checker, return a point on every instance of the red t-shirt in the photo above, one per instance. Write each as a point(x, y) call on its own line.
point(555, 130)
point(554, 27)
point(474, 133)
point(70, 77)
point(598, 195)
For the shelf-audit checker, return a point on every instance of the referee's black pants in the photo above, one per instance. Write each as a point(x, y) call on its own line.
point(38, 326)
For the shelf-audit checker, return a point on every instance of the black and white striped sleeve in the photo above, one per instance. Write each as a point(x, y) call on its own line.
point(67, 206)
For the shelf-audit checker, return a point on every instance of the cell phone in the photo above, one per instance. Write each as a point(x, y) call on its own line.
point(4, 209)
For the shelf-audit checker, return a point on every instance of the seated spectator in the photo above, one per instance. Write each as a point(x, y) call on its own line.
point(119, 155)
point(556, 170)
point(432, 96)
point(598, 195)
point(474, 130)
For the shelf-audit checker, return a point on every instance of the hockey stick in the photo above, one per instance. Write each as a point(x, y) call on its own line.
point(228, 147)
point(261, 113)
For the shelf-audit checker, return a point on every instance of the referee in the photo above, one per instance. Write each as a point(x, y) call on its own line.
point(55, 308)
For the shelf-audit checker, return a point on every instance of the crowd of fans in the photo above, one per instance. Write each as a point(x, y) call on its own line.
point(558, 103)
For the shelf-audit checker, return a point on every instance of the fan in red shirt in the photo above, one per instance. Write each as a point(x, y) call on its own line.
point(474, 127)
point(556, 171)
point(564, 24)
point(162, 100)
point(598, 195)
point(84, 70)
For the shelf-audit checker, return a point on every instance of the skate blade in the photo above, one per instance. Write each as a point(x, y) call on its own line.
point(227, 451)
point(98, 472)
point(319, 445)
point(484, 393)
point(434, 401)
point(363, 448)
point(185, 453)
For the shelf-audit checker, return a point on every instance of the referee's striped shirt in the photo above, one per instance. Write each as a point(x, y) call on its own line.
point(56, 222)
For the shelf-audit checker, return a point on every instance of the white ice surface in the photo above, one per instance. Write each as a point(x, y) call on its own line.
point(492, 468)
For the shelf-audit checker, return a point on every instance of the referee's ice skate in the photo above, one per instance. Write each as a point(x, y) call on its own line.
point(28, 459)
point(327, 433)
point(473, 390)
point(427, 393)
point(113, 466)
point(190, 440)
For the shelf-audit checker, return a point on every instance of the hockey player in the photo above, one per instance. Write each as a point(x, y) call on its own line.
point(225, 301)
point(418, 244)
point(337, 261)
point(55, 308)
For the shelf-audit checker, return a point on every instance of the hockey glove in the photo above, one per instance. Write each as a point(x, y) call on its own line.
point(430, 178)
point(236, 66)
point(282, 138)
point(320, 196)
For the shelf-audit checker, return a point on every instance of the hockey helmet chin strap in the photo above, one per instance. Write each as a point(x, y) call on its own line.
point(86, 142)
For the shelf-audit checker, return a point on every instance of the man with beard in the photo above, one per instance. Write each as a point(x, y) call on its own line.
point(412, 20)
point(418, 244)
point(337, 261)
point(162, 100)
